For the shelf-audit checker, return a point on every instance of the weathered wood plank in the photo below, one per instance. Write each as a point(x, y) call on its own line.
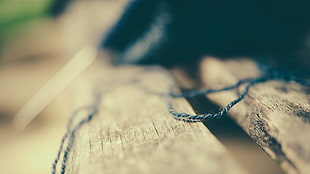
point(275, 114)
point(134, 133)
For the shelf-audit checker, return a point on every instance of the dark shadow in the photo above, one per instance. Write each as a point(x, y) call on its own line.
point(238, 143)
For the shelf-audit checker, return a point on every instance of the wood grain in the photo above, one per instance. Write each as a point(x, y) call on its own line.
point(275, 114)
point(134, 133)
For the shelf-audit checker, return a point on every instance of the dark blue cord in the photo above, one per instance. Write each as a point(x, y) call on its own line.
point(207, 116)
point(70, 134)
point(267, 74)
point(195, 93)
point(64, 138)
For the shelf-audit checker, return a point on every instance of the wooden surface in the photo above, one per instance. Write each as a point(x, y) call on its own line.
point(134, 133)
point(275, 114)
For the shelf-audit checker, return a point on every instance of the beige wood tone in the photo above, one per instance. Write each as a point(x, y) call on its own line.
point(134, 133)
point(275, 114)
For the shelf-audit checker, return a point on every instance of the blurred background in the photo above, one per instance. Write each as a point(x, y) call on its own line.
point(34, 45)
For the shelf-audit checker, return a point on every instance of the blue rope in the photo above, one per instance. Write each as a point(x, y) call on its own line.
point(64, 138)
point(69, 136)
point(208, 116)
point(267, 74)
point(195, 93)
